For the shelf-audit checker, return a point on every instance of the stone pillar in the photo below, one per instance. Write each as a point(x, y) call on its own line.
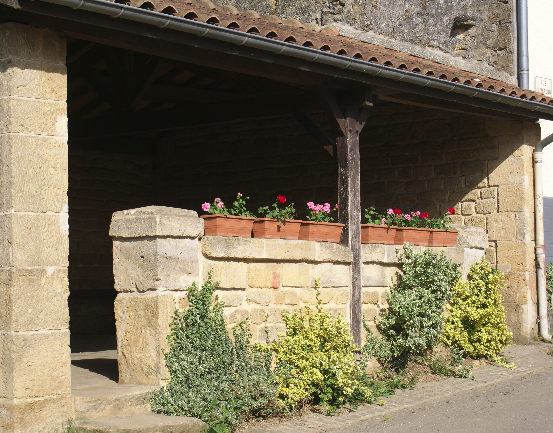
point(156, 257)
point(35, 376)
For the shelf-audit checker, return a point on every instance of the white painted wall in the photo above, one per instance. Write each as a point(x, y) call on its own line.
point(540, 44)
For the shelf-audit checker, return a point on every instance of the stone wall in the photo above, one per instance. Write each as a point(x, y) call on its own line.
point(412, 158)
point(35, 376)
point(99, 185)
point(159, 252)
point(473, 35)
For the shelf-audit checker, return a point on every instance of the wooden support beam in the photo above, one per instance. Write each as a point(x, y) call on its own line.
point(316, 131)
point(351, 112)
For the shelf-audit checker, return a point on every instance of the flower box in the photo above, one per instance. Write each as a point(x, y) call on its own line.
point(443, 238)
point(377, 234)
point(412, 235)
point(320, 231)
point(266, 228)
point(228, 225)
point(290, 229)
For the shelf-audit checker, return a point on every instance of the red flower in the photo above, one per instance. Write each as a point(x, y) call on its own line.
point(281, 198)
point(451, 211)
point(424, 215)
point(397, 211)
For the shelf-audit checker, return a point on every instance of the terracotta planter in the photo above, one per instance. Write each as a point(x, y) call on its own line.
point(377, 234)
point(266, 228)
point(290, 229)
point(222, 225)
point(321, 232)
point(443, 238)
point(412, 235)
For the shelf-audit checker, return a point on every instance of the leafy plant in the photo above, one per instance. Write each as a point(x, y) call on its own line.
point(476, 320)
point(549, 284)
point(371, 216)
point(447, 365)
point(320, 212)
point(281, 214)
point(221, 381)
point(413, 322)
point(238, 207)
point(68, 427)
point(418, 219)
point(315, 361)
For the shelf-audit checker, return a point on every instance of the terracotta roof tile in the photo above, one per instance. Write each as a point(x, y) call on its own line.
point(327, 39)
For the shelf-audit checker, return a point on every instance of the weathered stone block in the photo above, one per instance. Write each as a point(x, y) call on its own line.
point(259, 296)
point(332, 274)
point(264, 275)
point(46, 414)
point(153, 221)
point(515, 198)
point(295, 275)
point(524, 226)
point(376, 275)
point(155, 263)
point(370, 296)
point(490, 256)
point(486, 206)
point(370, 312)
point(33, 298)
point(488, 193)
point(142, 321)
point(33, 176)
point(518, 256)
point(342, 296)
point(308, 296)
point(476, 221)
point(237, 315)
point(35, 364)
point(286, 297)
point(275, 314)
point(31, 79)
point(333, 253)
point(467, 208)
point(258, 315)
point(511, 170)
point(232, 247)
point(29, 240)
point(290, 250)
point(33, 116)
point(231, 298)
point(31, 43)
point(230, 274)
point(518, 286)
point(501, 227)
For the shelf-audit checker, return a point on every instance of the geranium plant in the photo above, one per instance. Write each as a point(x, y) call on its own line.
point(418, 219)
point(277, 211)
point(320, 212)
point(238, 207)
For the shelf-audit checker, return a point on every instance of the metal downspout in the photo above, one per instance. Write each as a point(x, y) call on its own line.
point(540, 239)
point(522, 42)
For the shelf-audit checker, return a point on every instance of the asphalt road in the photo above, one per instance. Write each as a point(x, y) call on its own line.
point(522, 404)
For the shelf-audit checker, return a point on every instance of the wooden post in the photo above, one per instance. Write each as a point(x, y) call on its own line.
point(350, 112)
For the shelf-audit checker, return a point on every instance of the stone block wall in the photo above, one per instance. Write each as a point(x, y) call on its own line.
point(35, 377)
point(99, 185)
point(412, 158)
point(159, 252)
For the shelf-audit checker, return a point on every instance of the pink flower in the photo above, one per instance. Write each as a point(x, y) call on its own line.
point(311, 205)
point(383, 223)
point(220, 204)
point(407, 216)
point(390, 211)
point(417, 213)
point(336, 205)
point(239, 194)
point(326, 207)
point(205, 207)
point(217, 200)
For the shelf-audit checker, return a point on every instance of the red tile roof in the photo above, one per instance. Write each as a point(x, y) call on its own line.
point(327, 39)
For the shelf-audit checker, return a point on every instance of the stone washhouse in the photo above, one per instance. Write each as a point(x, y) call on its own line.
point(118, 120)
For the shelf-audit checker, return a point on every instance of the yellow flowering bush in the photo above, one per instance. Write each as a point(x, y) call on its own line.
point(476, 320)
point(315, 361)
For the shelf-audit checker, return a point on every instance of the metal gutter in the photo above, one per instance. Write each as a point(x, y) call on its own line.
point(522, 44)
point(204, 30)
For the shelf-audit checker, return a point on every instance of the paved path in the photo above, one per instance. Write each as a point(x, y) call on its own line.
point(498, 399)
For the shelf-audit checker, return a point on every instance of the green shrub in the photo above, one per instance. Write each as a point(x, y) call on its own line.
point(413, 323)
point(476, 320)
point(549, 283)
point(315, 361)
point(213, 378)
